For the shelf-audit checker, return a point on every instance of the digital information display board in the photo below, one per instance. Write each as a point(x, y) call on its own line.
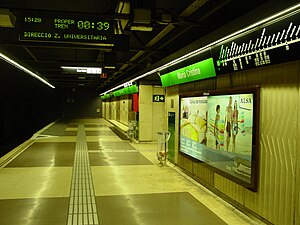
point(66, 29)
point(276, 42)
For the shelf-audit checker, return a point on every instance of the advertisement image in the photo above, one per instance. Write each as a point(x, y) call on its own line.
point(193, 125)
point(218, 130)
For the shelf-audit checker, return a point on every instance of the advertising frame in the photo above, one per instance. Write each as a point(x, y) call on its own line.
point(239, 166)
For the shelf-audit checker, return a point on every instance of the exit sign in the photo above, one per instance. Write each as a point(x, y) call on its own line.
point(158, 98)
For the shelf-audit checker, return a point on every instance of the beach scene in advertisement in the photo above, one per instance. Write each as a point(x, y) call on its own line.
point(218, 130)
point(230, 123)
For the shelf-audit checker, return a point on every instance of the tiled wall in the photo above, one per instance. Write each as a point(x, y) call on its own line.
point(125, 108)
point(118, 109)
point(277, 198)
point(158, 115)
point(114, 109)
point(107, 109)
point(145, 112)
point(151, 114)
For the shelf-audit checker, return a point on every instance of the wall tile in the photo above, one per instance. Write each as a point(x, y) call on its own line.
point(156, 129)
point(146, 135)
point(145, 113)
point(158, 90)
point(145, 94)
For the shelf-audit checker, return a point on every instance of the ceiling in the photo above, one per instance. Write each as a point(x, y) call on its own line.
point(175, 24)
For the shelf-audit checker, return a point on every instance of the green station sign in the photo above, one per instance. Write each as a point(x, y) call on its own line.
point(106, 96)
point(197, 71)
point(124, 91)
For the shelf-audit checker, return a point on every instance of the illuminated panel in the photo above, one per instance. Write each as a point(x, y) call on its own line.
point(197, 71)
point(66, 29)
point(273, 43)
point(81, 70)
point(221, 129)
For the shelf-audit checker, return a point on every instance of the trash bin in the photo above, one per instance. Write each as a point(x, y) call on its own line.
point(162, 146)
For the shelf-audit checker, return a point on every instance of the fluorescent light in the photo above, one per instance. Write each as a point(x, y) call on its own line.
point(20, 67)
point(123, 7)
point(7, 19)
point(141, 28)
point(207, 47)
point(109, 67)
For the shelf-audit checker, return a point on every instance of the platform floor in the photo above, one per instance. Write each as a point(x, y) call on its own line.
point(81, 172)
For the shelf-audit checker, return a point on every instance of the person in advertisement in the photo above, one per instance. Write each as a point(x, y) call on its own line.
point(235, 126)
point(228, 122)
point(216, 126)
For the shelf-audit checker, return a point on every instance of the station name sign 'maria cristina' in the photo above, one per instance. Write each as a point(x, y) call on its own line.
point(197, 71)
point(66, 29)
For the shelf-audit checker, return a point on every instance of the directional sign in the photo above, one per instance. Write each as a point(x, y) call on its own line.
point(158, 98)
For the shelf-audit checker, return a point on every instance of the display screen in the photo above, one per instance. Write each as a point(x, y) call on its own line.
point(275, 42)
point(220, 130)
point(66, 29)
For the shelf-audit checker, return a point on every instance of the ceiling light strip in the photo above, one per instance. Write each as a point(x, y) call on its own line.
point(20, 67)
point(202, 49)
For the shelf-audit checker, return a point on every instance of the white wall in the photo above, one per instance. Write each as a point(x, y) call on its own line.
point(158, 113)
point(118, 109)
point(125, 107)
point(107, 109)
point(145, 113)
point(114, 109)
point(151, 114)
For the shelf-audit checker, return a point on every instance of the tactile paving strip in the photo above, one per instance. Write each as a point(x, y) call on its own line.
point(82, 206)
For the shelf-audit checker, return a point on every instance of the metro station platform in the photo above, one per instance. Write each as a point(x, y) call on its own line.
point(81, 172)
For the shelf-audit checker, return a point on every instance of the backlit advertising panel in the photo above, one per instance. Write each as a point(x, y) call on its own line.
point(221, 131)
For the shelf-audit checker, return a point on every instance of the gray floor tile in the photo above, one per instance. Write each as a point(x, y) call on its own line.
point(46, 154)
point(44, 211)
point(17, 221)
point(54, 208)
point(122, 135)
point(99, 133)
point(118, 158)
point(72, 125)
point(94, 125)
point(70, 133)
point(109, 146)
point(57, 129)
point(179, 208)
point(51, 221)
